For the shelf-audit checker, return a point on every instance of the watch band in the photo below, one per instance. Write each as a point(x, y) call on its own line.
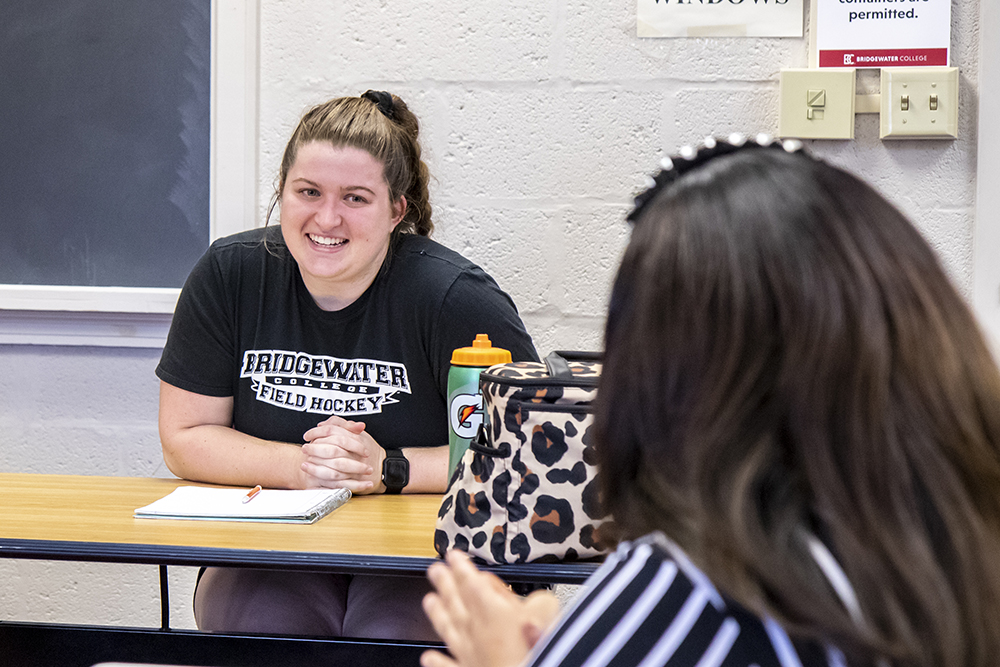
point(395, 471)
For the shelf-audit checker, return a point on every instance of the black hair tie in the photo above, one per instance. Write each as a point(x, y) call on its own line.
point(383, 101)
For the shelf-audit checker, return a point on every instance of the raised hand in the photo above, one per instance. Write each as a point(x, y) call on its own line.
point(483, 623)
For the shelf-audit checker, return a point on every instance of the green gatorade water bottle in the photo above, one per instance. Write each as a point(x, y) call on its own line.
point(465, 403)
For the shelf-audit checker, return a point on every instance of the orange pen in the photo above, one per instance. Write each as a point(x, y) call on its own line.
point(253, 493)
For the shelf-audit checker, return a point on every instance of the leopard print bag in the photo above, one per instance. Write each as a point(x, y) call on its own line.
point(526, 490)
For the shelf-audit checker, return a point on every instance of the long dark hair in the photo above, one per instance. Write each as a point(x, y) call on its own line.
point(786, 356)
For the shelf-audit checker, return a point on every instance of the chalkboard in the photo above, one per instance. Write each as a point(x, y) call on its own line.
point(104, 141)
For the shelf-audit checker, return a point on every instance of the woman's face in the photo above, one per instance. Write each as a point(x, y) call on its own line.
point(336, 219)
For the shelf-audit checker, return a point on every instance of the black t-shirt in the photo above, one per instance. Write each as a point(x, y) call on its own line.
point(246, 326)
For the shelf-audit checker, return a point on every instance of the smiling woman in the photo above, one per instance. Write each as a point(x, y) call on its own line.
point(308, 356)
point(336, 220)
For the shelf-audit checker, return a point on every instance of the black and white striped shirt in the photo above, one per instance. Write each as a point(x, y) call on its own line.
point(649, 606)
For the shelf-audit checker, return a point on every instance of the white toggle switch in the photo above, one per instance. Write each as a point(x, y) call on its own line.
point(928, 103)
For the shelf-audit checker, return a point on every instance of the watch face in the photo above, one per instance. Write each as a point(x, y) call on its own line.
point(396, 473)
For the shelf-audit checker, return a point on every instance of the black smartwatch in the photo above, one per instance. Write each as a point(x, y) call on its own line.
point(395, 471)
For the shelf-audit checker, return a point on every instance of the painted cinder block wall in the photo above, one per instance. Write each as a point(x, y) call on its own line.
point(540, 120)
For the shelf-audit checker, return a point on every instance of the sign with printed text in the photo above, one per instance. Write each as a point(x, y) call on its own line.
point(882, 33)
point(719, 18)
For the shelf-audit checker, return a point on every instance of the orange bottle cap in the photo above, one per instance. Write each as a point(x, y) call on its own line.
point(482, 353)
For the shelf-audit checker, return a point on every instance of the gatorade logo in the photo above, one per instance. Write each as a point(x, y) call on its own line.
point(466, 414)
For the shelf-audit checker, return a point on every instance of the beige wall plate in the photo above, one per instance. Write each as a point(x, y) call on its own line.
point(919, 103)
point(817, 103)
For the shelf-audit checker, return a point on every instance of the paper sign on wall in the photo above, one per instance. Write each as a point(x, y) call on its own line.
point(719, 18)
point(882, 33)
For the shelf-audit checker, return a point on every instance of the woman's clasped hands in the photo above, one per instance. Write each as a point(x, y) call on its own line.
point(341, 454)
point(483, 623)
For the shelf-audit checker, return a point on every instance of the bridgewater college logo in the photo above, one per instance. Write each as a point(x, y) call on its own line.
point(323, 385)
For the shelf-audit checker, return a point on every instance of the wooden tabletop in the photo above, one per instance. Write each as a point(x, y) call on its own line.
point(96, 510)
point(74, 517)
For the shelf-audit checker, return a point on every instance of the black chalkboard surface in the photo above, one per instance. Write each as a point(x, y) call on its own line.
point(104, 141)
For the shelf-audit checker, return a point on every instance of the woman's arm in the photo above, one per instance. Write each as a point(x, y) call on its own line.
point(200, 444)
point(428, 469)
point(336, 443)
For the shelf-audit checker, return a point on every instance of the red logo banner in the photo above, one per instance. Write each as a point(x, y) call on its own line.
point(884, 58)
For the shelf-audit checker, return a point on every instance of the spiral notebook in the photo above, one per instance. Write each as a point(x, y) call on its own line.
point(270, 505)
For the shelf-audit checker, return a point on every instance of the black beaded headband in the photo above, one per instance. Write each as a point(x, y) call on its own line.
point(383, 101)
point(690, 158)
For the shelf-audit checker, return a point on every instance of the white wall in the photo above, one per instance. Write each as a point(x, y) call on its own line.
point(986, 239)
point(540, 120)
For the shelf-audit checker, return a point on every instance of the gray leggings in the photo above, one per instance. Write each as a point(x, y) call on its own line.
point(308, 603)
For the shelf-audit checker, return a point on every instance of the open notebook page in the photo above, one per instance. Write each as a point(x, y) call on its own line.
point(277, 505)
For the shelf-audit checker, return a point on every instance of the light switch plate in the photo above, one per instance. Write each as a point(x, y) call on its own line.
point(909, 95)
point(816, 103)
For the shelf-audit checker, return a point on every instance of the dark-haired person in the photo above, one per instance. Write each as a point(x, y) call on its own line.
point(316, 354)
point(798, 435)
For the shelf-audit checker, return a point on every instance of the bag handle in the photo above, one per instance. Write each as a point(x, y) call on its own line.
point(481, 445)
point(557, 362)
